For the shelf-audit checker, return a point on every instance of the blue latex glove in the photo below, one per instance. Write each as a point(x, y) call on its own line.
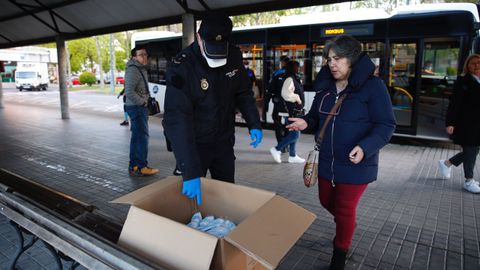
point(191, 189)
point(256, 135)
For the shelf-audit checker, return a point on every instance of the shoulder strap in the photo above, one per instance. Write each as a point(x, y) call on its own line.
point(329, 117)
point(144, 81)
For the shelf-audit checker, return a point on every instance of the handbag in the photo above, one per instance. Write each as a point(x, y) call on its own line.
point(152, 104)
point(310, 170)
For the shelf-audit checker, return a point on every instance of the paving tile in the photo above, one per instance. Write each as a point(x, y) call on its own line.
point(407, 219)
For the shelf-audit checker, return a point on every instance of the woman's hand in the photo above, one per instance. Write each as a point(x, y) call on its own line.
point(296, 124)
point(450, 130)
point(356, 155)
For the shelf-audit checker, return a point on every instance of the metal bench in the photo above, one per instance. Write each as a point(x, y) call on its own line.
point(71, 229)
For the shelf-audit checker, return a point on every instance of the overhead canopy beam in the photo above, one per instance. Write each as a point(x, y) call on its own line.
point(43, 8)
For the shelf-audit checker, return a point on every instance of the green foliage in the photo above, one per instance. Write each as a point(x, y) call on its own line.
point(87, 78)
point(264, 17)
point(451, 71)
point(82, 54)
point(120, 60)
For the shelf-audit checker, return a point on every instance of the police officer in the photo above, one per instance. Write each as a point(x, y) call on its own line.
point(205, 83)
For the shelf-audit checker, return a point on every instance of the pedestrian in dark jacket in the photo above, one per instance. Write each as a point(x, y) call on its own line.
point(293, 100)
point(463, 124)
point(205, 84)
point(273, 92)
point(360, 127)
point(136, 91)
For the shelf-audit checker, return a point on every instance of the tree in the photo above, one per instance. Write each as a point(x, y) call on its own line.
point(264, 17)
point(100, 66)
point(82, 54)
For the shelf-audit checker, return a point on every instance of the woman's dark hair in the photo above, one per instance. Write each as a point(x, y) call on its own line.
point(344, 46)
point(290, 68)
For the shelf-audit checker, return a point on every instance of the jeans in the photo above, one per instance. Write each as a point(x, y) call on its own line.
point(290, 139)
point(468, 157)
point(139, 140)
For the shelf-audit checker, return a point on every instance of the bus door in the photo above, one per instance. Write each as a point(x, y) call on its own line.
point(440, 63)
point(401, 83)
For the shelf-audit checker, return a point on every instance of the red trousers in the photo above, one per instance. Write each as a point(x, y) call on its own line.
point(341, 201)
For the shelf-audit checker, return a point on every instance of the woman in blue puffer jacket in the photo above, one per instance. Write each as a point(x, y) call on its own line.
point(363, 124)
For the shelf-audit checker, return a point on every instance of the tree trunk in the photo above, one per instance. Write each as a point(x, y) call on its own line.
point(100, 62)
point(69, 68)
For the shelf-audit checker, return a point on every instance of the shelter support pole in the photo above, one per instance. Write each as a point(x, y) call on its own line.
point(188, 29)
point(62, 77)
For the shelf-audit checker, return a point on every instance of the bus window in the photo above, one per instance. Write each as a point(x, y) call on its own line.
point(401, 81)
point(295, 52)
point(317, 59)
point(439, 71)
point(253, 53)
point(375, 51)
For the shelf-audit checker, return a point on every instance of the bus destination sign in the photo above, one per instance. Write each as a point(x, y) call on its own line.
point(353, 30)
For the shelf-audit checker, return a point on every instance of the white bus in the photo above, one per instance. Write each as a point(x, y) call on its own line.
point(401, 45)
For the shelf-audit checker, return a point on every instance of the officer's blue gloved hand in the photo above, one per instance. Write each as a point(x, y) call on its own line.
point(191, 189)
point(256, 135)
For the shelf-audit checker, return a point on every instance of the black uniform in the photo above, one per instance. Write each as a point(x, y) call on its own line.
point(200, 107)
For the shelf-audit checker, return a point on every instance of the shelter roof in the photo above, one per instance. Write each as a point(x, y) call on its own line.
point(28, 22)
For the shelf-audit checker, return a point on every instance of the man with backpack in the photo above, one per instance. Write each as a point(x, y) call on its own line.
point(273, 92)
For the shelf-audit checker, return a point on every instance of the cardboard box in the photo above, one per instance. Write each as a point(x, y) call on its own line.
point(267, 226)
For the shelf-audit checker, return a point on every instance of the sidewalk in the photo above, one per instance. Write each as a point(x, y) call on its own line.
point(409, 219)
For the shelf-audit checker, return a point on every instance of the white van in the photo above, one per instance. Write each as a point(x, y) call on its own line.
point(31, 76)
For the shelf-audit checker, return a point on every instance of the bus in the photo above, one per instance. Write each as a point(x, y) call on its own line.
point(418, 51)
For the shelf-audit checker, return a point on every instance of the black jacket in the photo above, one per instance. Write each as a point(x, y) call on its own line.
point(200, 105)
point(464, 111)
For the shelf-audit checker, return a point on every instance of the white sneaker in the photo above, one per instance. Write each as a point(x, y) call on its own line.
point(471, 186)
point(296, 159)
point(277, 155)
point(446, 171)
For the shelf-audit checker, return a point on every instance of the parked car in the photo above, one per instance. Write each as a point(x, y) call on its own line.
point(75, 80)
point(119, 80)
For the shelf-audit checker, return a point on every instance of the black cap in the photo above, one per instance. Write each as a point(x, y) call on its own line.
point(215, 31)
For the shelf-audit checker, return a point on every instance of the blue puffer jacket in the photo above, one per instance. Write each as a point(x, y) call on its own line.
point(365, 118)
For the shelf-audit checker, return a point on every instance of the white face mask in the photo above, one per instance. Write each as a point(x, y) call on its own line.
point(246, 66)
point(214, 63)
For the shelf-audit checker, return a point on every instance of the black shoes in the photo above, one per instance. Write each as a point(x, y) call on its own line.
point(338, 259)
point(124, 123)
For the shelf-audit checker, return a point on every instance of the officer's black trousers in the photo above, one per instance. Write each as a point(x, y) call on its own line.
point(219, 159)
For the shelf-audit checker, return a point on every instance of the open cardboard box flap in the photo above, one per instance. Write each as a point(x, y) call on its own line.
point(271, 231)
point(140, 234)
point(146, 191)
